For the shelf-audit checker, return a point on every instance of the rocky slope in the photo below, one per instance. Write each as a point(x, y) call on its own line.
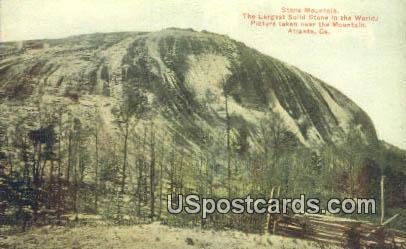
point(186, 75)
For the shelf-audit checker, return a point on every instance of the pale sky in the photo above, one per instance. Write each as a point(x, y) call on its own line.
point(369, 66)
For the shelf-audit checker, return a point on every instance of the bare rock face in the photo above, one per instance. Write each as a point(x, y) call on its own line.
point(187, 77)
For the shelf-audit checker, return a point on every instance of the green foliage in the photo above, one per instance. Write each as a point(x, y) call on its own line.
point(72, 156)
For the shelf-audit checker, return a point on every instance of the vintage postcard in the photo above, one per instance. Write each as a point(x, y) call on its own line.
point(203, 124)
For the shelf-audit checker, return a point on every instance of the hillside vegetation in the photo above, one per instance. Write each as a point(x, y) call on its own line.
point(109, 124)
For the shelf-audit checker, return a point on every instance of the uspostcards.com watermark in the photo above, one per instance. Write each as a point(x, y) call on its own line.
point(194, 204)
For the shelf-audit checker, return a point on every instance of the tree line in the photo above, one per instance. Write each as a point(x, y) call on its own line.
point(72, 164)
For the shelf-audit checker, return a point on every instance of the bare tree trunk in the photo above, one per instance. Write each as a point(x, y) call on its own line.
point(69, 157)
point(152, 174)
point(25, 159)
point(51, 183)
point(124, 164)
point(179, 182)
point(382, 198)
point(161, 177)
point(10, 162)
point(75, 180)
point(75, 172)
point(96, 177)
point(228, 148)
point(172, 170)
point(140, 172)
point(42, 170)
point(36, 179)
point(122, 190)
point(139, 180)
point(59, 192)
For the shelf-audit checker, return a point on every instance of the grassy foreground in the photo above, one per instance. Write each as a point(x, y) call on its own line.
point(148, 236)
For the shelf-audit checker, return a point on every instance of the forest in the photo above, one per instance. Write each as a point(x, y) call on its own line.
point(68, 168)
